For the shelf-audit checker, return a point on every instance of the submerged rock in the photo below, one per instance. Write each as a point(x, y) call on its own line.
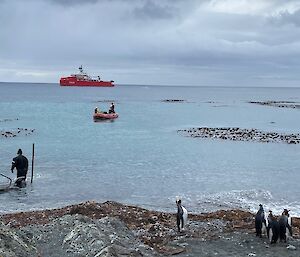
point(7, 120)
point(16, 132)
point(173, 100)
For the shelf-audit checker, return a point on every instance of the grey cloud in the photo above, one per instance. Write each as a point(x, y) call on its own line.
point(74, 2)
point(153, 10)
point(113, 35)
point(82, 2)
point(286, 17)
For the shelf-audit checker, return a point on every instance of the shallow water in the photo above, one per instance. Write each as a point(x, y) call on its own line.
point(140, 158)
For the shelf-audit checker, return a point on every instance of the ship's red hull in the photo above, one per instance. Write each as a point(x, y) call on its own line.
point(73, 81)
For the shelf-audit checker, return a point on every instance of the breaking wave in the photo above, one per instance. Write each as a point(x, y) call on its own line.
point(241, 199)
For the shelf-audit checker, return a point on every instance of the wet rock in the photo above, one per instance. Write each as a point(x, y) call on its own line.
point(77, 235)
point(238, 134)
point(7, 120)
point(16, 132)
point(114, 229)
point(291, 247)
point(280, 104)
point(14, 244)
point(173, 100)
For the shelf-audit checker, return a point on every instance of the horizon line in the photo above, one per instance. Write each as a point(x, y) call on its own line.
point(157, 85)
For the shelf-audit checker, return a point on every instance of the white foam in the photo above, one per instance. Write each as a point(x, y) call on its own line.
point(240, 199)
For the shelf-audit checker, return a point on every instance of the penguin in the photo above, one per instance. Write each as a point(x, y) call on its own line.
point(268, 221)
point(289, 232)
point(185, 216)
point(273, 230)
point(181, 216)
point(260, 221)
point(285, 226)
point(265, 225)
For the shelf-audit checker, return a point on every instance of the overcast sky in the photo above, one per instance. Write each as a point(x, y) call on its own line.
point(169, 42)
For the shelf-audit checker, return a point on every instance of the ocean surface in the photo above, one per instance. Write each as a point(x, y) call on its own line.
point(140, 158)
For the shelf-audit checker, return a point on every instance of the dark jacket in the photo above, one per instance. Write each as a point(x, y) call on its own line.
point(21, 164)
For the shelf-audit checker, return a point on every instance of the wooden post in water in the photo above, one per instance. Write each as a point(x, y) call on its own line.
point(32, 163)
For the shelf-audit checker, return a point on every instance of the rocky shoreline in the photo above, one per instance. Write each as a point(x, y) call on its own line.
point(239, 134)
point(113, 229)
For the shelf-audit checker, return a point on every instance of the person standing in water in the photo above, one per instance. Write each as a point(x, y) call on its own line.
point(21, 164)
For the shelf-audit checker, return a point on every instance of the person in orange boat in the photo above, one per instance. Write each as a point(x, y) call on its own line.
point(112, 108)
point(97, 110)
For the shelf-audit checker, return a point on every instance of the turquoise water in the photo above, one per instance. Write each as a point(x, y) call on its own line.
point(140, 158)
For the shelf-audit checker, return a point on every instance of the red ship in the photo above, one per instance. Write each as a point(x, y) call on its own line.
point(82, 79)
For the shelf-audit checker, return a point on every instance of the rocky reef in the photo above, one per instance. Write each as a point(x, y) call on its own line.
point(239, 134)
point(112, 229)
point(280, 104)
point(173, 101)
point(16, 132)
point(7, 120)
point(106, 101)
